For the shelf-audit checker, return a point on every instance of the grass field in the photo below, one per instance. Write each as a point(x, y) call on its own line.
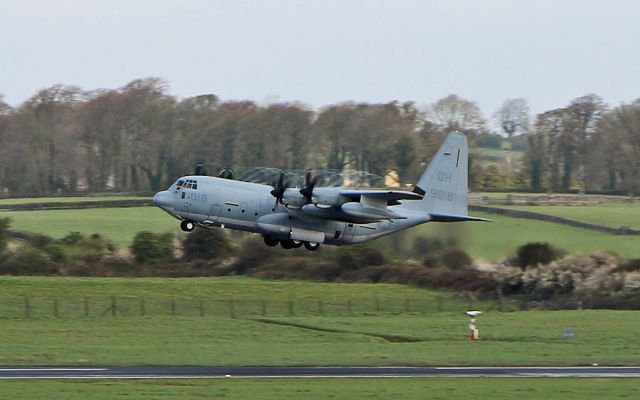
point(488, 241)
point(491, 241)
point(118, 224)
point(75, 199)
point(364, 338)
point(613, 215)
point(352, 389)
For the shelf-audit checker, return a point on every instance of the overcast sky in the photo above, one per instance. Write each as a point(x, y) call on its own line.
point(329, 51)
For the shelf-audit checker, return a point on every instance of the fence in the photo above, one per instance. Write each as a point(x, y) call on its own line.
point(141, 307)
point(121, 306)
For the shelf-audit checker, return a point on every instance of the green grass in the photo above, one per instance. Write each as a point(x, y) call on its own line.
point(613, 215)
point(118, 224)
point(363, 338)
point(75, 199)
point(488, 241)
point(352, 389)
point(493, 240)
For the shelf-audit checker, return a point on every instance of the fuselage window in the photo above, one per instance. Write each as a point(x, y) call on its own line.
point(195, 184)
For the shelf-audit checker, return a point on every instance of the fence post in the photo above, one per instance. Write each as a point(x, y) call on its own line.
point(143, 310)
point(55, 307)
point(86, 306)
point(113, 306)
point(263, 308)
point(201, 307)
point(173, 307)
point(27, 307)
point(439, 304)
point(349, 307)
point(320, 308)
point(376, 305)
point(232, 309)
point(407, 306)
point(290, 306)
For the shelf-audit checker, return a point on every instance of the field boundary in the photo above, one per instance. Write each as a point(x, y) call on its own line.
point(623, 230)
point(76, 205)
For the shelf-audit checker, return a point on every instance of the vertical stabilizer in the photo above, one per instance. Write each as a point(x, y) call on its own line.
point(444, 183)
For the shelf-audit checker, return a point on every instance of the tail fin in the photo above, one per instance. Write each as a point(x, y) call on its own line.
point(444, 183)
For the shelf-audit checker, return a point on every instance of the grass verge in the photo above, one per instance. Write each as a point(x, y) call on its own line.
point(353, 389)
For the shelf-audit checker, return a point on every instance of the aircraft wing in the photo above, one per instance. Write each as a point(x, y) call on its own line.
point(390, 196)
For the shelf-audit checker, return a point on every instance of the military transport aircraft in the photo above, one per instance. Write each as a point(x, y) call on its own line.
point(309, 216)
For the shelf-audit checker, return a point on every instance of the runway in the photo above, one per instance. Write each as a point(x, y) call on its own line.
point(310, 372)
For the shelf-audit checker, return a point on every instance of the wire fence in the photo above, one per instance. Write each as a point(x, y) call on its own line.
point(127, 306)
point(120, 306)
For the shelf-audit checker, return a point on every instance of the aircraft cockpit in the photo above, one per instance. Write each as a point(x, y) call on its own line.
point(186, 184)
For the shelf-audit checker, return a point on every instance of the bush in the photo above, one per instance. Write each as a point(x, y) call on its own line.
point(27, 260)
point(72, 238)
point(532, 254)
point(423, 245)
point(455, 258)
point(358, 256)
point(4, 233)
point(206, 244)
point(489, 140)
point(148, 247)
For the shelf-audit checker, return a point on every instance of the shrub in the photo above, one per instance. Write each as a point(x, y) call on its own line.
point(358, 256)
point(4, 233)
point(27, 260)
point(532, 254)
point(455, 258)
point(206, 244)
point(148, 247)
point(424, 245)
point(56, 253)
point(72, 238)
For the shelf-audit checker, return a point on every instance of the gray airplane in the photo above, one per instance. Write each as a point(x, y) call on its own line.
point(309, 216)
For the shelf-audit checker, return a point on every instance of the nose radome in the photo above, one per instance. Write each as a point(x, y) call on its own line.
point(162, 199)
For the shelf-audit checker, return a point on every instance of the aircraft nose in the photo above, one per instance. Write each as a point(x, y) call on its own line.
point(163, 199)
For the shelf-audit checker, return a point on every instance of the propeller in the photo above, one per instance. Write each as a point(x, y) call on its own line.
point(226, 173)
point(309, 183)
point(199, 170)
point(278, 189)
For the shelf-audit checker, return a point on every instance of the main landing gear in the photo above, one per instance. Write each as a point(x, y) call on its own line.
point(187, 225)
point(290, 243)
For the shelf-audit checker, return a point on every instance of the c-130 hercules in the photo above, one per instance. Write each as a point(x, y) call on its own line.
point(310, 216)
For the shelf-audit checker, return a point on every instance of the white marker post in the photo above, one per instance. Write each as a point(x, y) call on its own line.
point(473, 325)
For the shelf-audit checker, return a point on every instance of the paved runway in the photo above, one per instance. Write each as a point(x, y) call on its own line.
point(308, 372)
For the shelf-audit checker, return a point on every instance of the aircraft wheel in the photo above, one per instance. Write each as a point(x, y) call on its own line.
point(271, 241)
point(312, 246)
point(296, 243)
point(187, 225)
point(286, 244)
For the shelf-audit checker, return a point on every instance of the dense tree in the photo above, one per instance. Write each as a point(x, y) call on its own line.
point(139, 138)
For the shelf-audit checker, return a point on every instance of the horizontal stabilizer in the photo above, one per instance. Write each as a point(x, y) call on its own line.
point(439, 217)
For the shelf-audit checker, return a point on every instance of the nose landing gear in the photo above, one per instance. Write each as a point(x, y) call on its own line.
point(187, 225)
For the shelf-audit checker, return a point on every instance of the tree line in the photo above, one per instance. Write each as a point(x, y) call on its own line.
point(140, 138)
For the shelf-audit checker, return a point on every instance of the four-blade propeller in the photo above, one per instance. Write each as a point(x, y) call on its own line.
point(279, 188)
point(309, 183)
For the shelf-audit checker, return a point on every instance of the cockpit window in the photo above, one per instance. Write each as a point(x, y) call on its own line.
point(188, 184)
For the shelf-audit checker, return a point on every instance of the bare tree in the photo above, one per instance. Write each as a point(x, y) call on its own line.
point(513, 117)
point(623, 124)
point(584, 113)
point(455, 113)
